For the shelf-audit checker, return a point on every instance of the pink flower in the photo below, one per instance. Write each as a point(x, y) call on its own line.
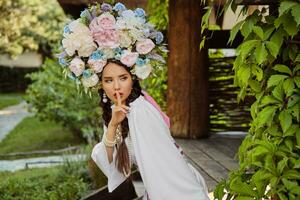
point(104, 21)
point(129, 58)
point(107, 21)
point(97, 65)
point(144, 46)
point(77, 66)
point(106, 38)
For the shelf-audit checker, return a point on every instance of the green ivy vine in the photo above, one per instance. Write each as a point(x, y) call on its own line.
point(267, 66)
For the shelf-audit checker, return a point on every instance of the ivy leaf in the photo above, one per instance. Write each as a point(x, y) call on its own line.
point(260, 53)
point(234, 31)
point(245, 48)
point(278, 36)
point(285, 119)
point(269, 99)
point(244, 74)
point(273, 48)
point(268, 32)
point(297, 81)
point(258, 31)
point(283, 69)
point(293, 100)
point(288, 86)
point(295, 110)
point(278, 92)
point(275, 79)
point(247, 27)
point(266, 115)
point(257, 71)
point(286, 5)
point(296, 13)
point(290, 25)
point(255, 85)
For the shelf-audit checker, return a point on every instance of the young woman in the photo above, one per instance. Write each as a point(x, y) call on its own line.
point(110, 48)
point(144, 140)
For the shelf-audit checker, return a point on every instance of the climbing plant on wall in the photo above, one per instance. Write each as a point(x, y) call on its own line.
point(267, 66)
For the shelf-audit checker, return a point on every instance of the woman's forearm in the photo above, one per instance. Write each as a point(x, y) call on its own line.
point(110, 135)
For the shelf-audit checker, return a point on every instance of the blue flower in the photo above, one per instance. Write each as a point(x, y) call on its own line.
point(86, 73)
point(67, 29)
point(119, 7)
point(62, 62)
point(159, 37)
point(106, 7)
point(139, 12)
point(86, 14)
point(118, 50)
point(97, 55)
point(140, 62)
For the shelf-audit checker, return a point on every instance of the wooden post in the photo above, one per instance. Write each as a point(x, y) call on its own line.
point(187, 71)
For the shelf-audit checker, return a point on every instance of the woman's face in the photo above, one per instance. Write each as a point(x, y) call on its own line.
point(116, 79)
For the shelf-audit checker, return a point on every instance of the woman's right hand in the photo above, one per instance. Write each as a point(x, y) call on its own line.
point(119, 112)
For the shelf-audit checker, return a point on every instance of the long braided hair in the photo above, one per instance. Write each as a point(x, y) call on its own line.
point(122, 157)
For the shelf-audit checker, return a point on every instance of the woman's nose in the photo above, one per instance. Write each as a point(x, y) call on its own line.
point(116, 85)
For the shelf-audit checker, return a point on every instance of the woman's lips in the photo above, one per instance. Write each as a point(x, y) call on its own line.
point(115, 95)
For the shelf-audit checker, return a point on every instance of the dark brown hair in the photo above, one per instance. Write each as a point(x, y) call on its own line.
point(122, 158)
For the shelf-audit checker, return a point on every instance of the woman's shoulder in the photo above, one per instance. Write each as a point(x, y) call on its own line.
point(138, 101)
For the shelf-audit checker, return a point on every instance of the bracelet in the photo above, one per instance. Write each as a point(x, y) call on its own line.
point(107, 142)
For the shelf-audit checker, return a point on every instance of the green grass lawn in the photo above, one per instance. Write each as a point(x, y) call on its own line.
point(32, 134)
point(9, 99)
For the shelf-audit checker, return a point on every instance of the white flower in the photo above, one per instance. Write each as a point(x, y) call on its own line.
point(128, 20)
point(79, 39)
point(90, 81)
point(124, 39)
point(108, 53)
point(136, 34)
point(143, 71)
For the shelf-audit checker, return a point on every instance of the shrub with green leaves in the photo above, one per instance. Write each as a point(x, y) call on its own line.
point(268, 65)
point(70, 181)
point(56, 98)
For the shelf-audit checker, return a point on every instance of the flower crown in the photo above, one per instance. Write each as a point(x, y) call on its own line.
point(103, 33)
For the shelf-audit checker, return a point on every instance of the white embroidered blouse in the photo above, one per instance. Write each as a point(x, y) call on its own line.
point(165, 172)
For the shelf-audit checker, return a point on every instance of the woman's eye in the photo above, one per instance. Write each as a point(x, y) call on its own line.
point(107, 81)
point(123, 78)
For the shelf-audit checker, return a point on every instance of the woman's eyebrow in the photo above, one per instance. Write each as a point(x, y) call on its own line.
point(119, 76)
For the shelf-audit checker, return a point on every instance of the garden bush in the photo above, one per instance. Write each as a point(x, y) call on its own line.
point(55, 98)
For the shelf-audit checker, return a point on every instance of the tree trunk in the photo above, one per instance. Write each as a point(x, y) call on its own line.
point(187, 71)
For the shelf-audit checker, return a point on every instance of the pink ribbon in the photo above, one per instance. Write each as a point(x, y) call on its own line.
point(153, 102)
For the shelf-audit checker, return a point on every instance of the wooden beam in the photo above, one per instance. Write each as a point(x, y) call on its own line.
point(187, 71)
point(219, 39)
point(256, 2)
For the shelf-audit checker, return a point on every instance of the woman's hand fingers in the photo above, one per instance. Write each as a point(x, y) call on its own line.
point(126, 107)
point(119, 103)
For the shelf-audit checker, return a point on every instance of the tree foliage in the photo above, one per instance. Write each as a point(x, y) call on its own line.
point(267, 66)
point(57, 99)
point(29, 25)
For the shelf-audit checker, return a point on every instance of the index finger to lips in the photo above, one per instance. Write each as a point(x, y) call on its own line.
point(119, 98)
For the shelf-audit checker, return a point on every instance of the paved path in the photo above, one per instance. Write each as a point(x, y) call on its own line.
point(14, 165)
point(11, 116)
